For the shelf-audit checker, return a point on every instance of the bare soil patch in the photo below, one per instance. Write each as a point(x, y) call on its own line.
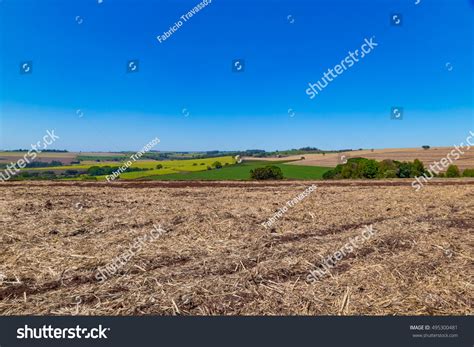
point(217, 258)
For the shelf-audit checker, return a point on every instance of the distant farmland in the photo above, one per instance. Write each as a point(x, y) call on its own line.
point(150, 167)
point(189, 166)
point(65, 158)
point(404, 154)
point(189, 169)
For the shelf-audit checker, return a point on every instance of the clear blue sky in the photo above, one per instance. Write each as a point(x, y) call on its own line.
point(83, 67)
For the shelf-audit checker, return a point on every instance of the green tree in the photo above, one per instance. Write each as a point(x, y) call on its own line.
point(369, 169)
point(346, 171)
point(453, 171)
point(329, 175)
point(417, 168)
point(468, 173)
point(404, 170)
point(267, 173)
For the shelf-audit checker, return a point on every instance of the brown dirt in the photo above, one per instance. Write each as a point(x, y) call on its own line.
point(217, 258)
point(136, 184)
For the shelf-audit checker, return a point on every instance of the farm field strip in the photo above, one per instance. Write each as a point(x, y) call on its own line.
point(429, 156)
point(172, 165)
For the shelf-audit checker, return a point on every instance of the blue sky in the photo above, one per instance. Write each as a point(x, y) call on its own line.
point(83, 67)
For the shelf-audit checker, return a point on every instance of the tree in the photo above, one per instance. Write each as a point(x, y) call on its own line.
point(217, 164)
point(385, 166)
point(346, 171)
point(329, 175)
point(369, 169)
point(453, 171)
point(468, 173)
point(404, 170)
point(425, 147)
point(390, 174)
point(267, 173)
point(417, 169)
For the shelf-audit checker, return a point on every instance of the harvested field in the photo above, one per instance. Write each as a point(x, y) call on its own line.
point(65, 158)
point(217, 259)
point(466, 161)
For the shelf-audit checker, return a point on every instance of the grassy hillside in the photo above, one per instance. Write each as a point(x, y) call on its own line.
point(242, 172)
point(189, 169)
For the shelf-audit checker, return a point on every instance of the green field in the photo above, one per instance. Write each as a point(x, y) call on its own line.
point(242, 172)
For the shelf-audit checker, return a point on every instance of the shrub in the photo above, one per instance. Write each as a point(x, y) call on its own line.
point(347, 171)
point(417, 169)
point(209, 168)
point(329, 175)
point(94, 171)
point(267, 173)
point(101, 170)
point(369, 169)
point(468, 173)
point(133, 169)
point(390, 174)
point(404, 170)
point(202, 164)
point(453, 171)
point(387, 165)
point(217, 164)
point(425, 147)
point(194, 164)
point(35, 164)
point(441, 174)
point(159, 166)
